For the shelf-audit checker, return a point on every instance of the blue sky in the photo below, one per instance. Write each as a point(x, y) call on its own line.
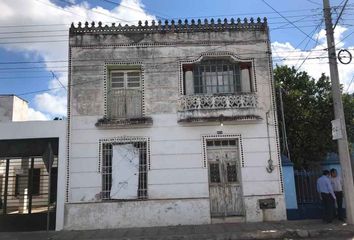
point(33, 34)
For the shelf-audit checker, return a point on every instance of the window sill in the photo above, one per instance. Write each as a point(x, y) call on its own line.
point(106, 123)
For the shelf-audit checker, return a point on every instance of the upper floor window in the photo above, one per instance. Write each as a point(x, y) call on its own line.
point(217, 76)
point(124, 95)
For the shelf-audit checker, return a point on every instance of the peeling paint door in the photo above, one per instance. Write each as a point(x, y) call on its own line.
point(224, 178)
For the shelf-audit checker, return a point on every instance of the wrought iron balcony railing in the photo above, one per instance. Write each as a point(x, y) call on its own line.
point(217, 102)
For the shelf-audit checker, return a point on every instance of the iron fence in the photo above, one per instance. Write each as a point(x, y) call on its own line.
point(24, 186)
point(306, 186)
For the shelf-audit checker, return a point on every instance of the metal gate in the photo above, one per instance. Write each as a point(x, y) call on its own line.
point(24, 194)
point(308, 201)
point(224, 178)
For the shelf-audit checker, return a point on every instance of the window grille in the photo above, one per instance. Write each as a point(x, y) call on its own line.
point(109, 173)
point(124, 94)
point(216, 76)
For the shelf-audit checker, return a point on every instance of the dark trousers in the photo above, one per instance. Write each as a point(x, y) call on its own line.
point(327, 207)
point(339, 199)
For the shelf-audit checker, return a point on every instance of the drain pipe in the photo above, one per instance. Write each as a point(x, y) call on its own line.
point(270, 166)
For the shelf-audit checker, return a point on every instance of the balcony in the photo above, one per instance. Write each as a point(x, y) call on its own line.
point(201, 108)
point(124, 107)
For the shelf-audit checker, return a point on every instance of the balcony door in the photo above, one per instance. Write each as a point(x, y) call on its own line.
point(225, 190)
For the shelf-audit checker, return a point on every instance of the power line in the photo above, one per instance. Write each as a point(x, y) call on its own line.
point(95, 11)
point(135, 9)
point(307, 57)
point(340, 14)
point(351, 81)
point(61, 84)
point(288, 20)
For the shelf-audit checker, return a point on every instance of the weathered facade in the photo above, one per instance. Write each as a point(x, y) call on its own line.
point(171, 123)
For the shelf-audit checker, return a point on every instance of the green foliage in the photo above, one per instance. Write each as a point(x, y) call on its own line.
point(308, 111)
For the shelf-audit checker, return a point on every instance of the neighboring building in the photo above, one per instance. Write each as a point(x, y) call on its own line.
point(13, 108)
point(24, 178)
point(172, 124)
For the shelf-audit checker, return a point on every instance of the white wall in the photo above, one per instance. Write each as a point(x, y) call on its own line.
point(20, 109)
point(43, 129)
point(177, 170)
point(13, 108)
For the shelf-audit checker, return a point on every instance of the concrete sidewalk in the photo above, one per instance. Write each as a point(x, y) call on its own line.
point(269, 230)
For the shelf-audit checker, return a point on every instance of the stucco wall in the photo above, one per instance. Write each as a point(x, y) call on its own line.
point(13, 108)
point(177, 170)
point(20, 109)
point(137, 214)
point(6, 104)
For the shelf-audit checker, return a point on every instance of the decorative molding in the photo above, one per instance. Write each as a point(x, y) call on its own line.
point(106, 82)
point(217, 54)
point(164, 44)
point(274, 108)
point(237, 137)
point(211, 102)
point(173, 27)
point(67, 172)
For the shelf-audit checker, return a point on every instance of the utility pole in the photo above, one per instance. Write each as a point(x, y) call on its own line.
point(343, 150)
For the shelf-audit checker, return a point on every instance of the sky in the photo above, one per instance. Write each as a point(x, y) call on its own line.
point(34, 34)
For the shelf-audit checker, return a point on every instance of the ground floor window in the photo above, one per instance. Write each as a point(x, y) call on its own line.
point(124, 169)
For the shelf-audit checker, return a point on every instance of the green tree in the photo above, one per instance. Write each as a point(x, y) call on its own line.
point(308, 111)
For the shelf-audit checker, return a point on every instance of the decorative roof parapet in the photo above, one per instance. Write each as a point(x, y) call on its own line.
point(174, 27)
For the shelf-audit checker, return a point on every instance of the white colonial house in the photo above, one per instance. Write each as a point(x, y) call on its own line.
point(172, 123)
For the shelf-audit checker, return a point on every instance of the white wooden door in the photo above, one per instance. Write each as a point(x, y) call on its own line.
point(224, 178)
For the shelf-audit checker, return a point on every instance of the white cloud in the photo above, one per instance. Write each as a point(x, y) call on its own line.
point(54, 104)
point(34, 115)
point(317, 62)
point(45, 12)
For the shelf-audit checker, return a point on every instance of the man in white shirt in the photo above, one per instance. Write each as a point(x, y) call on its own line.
point(327, 196)
point(337, 185)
